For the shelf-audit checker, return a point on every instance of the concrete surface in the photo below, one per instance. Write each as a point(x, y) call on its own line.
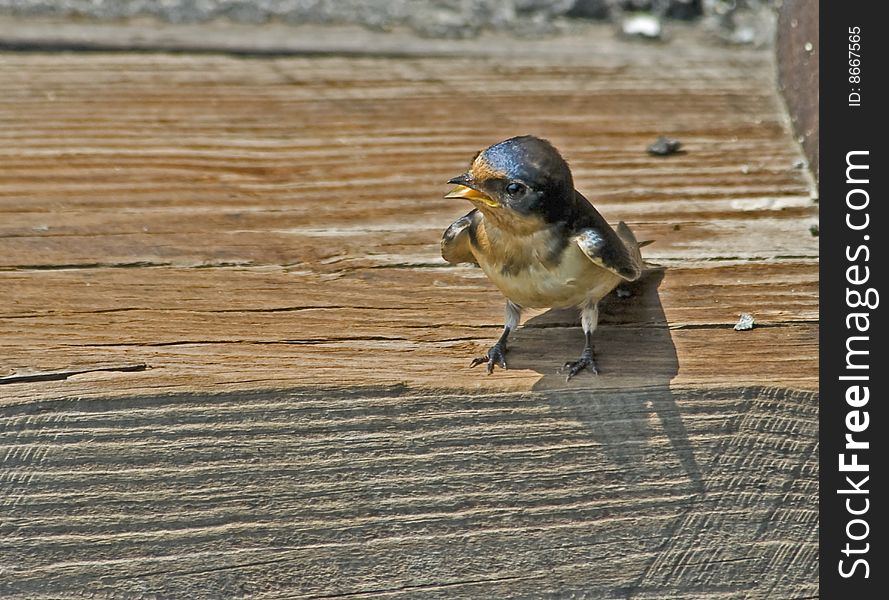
point(740, 20)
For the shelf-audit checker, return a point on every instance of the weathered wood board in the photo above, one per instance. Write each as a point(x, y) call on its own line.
point(233, 364)
point(643, 493)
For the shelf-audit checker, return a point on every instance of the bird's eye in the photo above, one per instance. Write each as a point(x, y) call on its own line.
point(514, 188)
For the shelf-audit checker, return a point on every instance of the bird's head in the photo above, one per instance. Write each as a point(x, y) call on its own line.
point(517, 180)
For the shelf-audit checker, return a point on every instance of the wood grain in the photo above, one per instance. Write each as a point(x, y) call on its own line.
point(233, 363)
point(632, 492)
point(249, 326)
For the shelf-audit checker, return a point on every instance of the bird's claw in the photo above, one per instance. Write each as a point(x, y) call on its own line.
point(495, 356)
point(586, 361)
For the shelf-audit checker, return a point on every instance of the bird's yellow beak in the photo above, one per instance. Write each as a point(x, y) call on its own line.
point(462, 192)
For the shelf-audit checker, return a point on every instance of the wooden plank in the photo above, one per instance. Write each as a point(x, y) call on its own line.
point(326, 174)
point(627, 355)
point(233, 363)
point(382, 244)
point(649, 492)
point(796, 49)
point(172, 321)
point(692, 295)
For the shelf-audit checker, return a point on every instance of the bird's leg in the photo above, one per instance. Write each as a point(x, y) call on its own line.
point(497, 353)
point(589, 319)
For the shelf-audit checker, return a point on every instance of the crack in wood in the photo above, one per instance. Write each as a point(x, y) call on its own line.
point(65, 374)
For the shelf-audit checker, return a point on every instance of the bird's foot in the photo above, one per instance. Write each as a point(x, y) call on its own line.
point(495, 356)
point(586, 361)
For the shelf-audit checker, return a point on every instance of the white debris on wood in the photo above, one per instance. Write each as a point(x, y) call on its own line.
point(744, 323)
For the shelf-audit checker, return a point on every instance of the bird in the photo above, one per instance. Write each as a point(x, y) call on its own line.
point(539, 240)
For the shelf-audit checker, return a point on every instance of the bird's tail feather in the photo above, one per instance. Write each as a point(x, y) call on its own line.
point(633, 246)
point(629, 240)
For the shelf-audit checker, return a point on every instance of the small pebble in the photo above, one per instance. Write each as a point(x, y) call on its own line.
point(743, 35)
point(642, 25)
point(744, 323)
point(664, 146)
point(623, 293)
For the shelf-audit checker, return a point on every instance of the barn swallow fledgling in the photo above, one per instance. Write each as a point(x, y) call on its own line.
point(538, 239)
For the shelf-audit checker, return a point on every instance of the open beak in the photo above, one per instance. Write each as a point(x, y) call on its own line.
point(465, 191)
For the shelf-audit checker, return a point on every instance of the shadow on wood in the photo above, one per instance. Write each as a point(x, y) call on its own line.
point(621, 422)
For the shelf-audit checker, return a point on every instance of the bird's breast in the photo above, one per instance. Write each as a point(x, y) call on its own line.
point(539, 272)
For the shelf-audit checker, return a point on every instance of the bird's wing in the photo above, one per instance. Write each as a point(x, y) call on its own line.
point(619, 254)
point(617, 251)
point(455, 241)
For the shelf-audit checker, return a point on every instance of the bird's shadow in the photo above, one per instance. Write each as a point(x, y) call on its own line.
point(637, 361)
